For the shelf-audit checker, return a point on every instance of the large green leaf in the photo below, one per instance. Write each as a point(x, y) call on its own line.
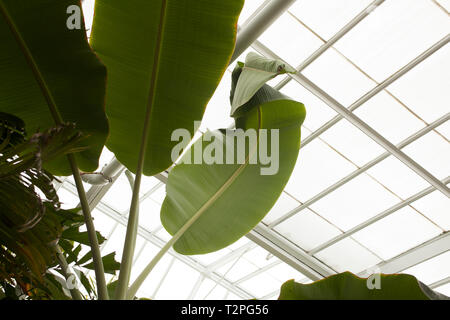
point(71, 71)
point(347, 286)
point(228, 200)
point(74, 234)
point(171, 76)
point(109, 262)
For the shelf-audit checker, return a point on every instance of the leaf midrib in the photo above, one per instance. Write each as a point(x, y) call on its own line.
point(228, 182)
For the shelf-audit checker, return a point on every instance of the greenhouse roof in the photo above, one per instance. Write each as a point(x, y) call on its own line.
point(369, 192)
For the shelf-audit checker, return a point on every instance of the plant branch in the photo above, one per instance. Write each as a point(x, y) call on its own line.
point(95, 248)
point(76, 295)
point(144, 274)
point(133, 217)
point(99, 271)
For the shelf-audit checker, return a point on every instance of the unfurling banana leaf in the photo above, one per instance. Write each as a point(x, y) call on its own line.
point(225, 201)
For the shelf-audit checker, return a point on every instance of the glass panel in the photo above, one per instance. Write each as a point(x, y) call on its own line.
point(397, 233)
point(236, 269)
point(383, 112)
point(261, 284)
point(179, 282)
point(397, 177)
point(355, 202)
point(328, 73)
point(259, 257)
point(433, 153)
point(284, 204)
point(348, 255)
point(317, 167)
point(352, 143)
point(307, 230)
point(326, 17)
point(424, 89)
point(445, 289)
point(445, 130)
point(210, 290)
point(436, 207)
point(284, 272)
point(290, 40)
point(149, 217)
point(432, 270)
point(394, 34)
point(119, 196)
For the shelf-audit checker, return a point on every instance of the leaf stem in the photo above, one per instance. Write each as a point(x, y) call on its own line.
point(144, 274)
point(99, 271)
point(133, 217)
point(76, 295)
point(95, 248)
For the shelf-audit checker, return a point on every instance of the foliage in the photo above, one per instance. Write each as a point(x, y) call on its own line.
point(165, 75)
point(31, 221)
point(235, 196)
point(164, 59)
point(347, 286)
point(39, 53)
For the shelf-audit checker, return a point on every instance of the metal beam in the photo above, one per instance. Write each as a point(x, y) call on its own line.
point(376, 218)
point(259, 271)
point(231, 256)
point(196, 287)
point(166, 272)
point(349, 26)
point(280, 247)
point(360, 170)
point(260, 22)
point(373, 134)
point(360, 124)
point(440, 283)
point(186, 259)
point(414, 256)
point(289, 253)
point(377, 89)
point(156, 241)
point(270, 295)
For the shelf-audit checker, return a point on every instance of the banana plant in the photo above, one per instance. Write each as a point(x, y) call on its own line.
point(164, 60)
point(347, 286)
point(149, 69)
point(49, 75)
point(32, 224)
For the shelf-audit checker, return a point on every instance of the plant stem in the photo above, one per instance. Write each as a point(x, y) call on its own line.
point(144, 274)
point(130, 238)
point(136, 225)
point(96, 255)
point(99, 272)
point(76, 295)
